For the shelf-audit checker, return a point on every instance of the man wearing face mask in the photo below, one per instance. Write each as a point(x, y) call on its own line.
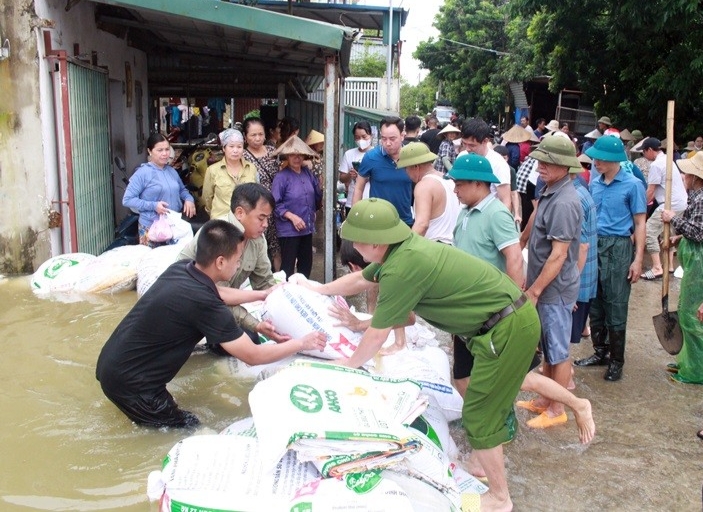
point(352, 158)
point(379, 169)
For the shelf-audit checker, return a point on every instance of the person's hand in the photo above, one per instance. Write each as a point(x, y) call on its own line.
point(674, 240)
point(344, 361)
point(353, 174)
point(314, 341)
point(268, 291)
point(532, 296)
point(269, 330)
point(161, 207)
point(635, 271)
point(305, 283)
point(345, 316)
point(189, 208)
point(667, 215)
point(298, 223)
point(700, 313)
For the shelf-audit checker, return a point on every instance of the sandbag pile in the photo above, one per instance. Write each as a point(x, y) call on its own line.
point(113, 271)
point(350, 441)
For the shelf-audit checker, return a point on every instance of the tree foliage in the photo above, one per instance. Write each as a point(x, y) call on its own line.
point(466, 58)
point(418, 99)
point(369, 64)
point(628, 57)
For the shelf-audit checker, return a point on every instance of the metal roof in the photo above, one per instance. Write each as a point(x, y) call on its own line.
point(217, 48)
point(367, 17)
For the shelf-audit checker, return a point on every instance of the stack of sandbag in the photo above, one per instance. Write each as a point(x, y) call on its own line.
point(113, 271)
point(430, 367)
point(342, 420)
point(333, 416)
point(296, 311)
point(226, 473)
point(60, 273)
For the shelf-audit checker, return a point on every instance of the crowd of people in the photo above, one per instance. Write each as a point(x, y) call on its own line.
point(440, 222)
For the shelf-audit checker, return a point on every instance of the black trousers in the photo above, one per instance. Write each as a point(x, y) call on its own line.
point(296, 254)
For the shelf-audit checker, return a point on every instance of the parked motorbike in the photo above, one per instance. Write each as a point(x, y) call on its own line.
point(192, 164)
point(127, 231)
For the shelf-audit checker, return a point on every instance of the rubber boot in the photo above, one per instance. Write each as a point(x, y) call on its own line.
point(617, 356)
point(599, 336)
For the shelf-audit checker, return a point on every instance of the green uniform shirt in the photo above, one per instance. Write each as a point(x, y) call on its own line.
point(255, 265)
point(485, 230)
point(450, 289)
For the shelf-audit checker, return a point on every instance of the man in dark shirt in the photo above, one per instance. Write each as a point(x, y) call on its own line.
point(429, 137)
point(412, 129)
point(156, 338)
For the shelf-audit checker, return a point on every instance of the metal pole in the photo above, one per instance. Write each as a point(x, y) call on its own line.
point(389, 63)
point(330, 107)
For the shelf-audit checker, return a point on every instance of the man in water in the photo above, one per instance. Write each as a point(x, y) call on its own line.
point(156, 338)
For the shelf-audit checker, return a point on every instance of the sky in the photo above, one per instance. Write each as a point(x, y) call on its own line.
point(418, 27)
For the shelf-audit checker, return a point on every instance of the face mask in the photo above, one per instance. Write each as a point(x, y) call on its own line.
point(363, 144)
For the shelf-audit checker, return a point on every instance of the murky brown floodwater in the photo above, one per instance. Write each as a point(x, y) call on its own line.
point(66, 447)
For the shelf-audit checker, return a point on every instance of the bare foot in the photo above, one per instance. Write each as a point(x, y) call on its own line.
point(398, 345)
point(584, 421)
point(490, 503)
point(473, 467)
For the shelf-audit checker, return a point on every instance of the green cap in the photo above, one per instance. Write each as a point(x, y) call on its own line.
point(415, 153)
point(472, 167)
point(608, 148)
point(374, 221)
point(557, 151)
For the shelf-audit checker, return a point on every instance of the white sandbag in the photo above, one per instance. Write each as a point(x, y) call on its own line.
point(154, 264)
point(431, 462)
point(296, 311)
point(423, 496)
point(362, 492)
point(113, 271)
point(340, 417)
point(244, 427)
point(224, 473)
point(233, 366)
point(466, 482)
point(430, 367)
point(60, 273)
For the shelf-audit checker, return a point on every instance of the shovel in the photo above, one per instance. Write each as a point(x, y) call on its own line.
point(666, 324)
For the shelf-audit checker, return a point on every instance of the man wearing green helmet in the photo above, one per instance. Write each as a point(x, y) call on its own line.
point(621, 207)
point(459, 294)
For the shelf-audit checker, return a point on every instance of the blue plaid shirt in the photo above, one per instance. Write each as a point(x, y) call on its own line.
point(589, 235)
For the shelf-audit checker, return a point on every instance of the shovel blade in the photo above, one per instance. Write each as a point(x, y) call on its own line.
point(668, 330)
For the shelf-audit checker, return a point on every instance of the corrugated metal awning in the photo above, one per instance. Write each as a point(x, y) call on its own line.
point(217, 48)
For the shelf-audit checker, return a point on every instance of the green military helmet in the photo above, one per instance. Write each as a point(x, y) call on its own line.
point(374, 221)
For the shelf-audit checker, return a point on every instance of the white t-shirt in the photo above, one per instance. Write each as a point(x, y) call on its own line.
point(501, 169)
point(499, 166)
point(657, 176)
point(353, 155)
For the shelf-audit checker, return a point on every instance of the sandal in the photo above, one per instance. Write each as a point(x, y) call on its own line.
point(650, 276)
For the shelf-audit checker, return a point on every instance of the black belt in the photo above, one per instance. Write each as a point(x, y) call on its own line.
point(493, 320)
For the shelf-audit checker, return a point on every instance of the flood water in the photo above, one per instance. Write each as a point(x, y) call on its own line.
point(66, 447)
